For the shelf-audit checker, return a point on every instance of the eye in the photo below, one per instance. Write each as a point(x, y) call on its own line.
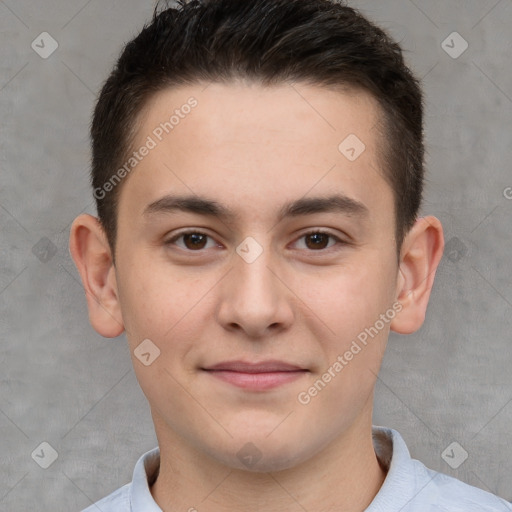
point(318, 240)
point(192, 240)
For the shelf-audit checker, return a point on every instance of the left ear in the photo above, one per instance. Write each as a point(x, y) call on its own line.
point(420, 255)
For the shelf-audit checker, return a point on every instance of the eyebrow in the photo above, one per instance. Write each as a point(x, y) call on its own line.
point(336, 203)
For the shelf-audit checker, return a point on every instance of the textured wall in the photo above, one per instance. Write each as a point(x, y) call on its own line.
point(63, 384)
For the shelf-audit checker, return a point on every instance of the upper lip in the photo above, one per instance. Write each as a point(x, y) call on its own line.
point(261, 367)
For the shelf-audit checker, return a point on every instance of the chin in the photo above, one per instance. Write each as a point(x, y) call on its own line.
point(259, 454)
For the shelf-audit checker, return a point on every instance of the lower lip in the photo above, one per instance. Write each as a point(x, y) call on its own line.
point(256, 381)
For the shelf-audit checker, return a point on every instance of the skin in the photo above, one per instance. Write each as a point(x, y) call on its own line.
point(253, 149)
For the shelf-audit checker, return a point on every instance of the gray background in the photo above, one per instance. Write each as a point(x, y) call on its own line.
point(63, 384)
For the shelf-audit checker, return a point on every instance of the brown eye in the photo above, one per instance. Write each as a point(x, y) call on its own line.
point(317, 240)
point(191, 241)
point(195, 240)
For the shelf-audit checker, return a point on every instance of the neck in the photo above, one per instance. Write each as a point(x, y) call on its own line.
point(345, 475)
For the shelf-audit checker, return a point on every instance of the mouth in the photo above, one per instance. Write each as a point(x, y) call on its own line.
point(256, 376)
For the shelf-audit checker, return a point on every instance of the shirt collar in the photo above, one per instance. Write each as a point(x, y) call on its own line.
point(144, 474)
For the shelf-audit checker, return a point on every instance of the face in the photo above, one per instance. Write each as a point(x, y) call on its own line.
point(258, 291)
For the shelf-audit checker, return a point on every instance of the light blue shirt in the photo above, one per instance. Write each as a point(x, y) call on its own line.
point(409, 486)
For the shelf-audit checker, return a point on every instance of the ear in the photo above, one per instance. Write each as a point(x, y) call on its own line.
point(420, 255)
point(91, 253)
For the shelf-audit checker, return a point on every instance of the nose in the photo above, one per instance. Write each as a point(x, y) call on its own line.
point(255, 298)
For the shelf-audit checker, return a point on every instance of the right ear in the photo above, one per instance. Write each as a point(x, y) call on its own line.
point(89, 248)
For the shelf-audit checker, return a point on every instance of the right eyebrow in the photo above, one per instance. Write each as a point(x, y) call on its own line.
point(191, 204)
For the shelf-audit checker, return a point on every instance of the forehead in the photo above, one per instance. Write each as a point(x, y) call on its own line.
point(247, 111)
point(245, 141)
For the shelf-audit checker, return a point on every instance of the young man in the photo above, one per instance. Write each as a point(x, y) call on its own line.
point(258, 171)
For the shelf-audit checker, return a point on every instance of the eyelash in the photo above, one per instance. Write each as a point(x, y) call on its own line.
point(338, 241)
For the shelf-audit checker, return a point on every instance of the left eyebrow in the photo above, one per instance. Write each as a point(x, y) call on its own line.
point(337, 203)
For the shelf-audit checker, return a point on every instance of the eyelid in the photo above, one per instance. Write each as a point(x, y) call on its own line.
point(323, 231)
point(189, 231)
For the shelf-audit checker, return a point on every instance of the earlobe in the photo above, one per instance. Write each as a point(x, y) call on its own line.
point(421, 254)
point(91, 253)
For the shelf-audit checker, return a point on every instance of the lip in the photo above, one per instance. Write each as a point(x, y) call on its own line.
point(256, 376)
point(261, 367)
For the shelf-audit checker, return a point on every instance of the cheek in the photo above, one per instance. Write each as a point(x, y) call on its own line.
point(147, 293)
point(346, 298)
point(144, 304)
point(169, 308)
point(350, 304)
